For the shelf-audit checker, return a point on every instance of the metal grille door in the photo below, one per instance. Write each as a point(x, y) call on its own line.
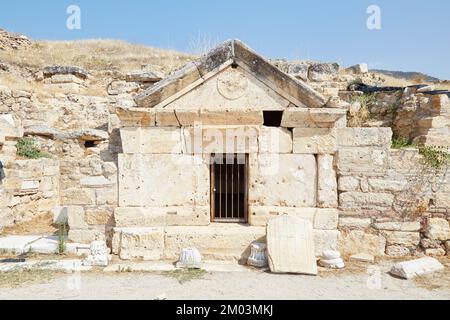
point(229, 187)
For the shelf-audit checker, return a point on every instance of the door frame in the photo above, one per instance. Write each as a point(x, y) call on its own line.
point(244, 220)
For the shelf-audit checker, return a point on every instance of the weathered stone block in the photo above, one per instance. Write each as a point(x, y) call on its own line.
point(437, 229)
point(77, 196)
point(398, 225)
point(186, 180)
point(325, 240)
point(362, 137)
point(297, 118)
point(260, 215)
point(151, 140)
point(348, 183)
point(314, 140)
point(192, 117)
point(438, 252)
point(413, 268)
point(162, 216)
point(85, 235)
point(326, 219)
point(135, 117)
point(106, 196)
point(220, 139)
point(215, 242)
point(99, 216)
point(275, 140)
point(144, 243)
point(388, 184)
point(362, 159)
point(95, 182)
point(290, 246)
point(75, 217)
point(354, 223)
point(326, 182)
point(274, 177)
point(397, 251)
point(361, 200)
point(407, 239)
point(357, 241)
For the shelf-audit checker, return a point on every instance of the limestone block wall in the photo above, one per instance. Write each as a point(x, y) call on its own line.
point(88, 196)
point(388, 198)
point(30, 189)
point(164, 180)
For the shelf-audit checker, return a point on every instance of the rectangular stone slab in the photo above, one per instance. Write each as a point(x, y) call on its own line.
point(290, 246)
point(414, 268)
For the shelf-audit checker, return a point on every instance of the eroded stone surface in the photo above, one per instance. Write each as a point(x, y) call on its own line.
point(290, 246)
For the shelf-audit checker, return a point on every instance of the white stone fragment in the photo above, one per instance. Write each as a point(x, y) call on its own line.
point(17, 244)
point(331, 254)
point(190, 258)
point(413, 268)
point(257, 256)
point(332, 263)
point(98, 255)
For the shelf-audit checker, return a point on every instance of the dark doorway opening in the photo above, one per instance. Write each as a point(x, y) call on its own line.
point(272, 118)
point(229, 187)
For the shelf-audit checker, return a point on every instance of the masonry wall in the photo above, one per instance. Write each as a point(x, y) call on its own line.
point(30, 189)
point(389, 199)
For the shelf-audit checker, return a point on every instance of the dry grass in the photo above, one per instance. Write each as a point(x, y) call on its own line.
point(20, 277)
point(400, 82)
point(96, 54)
point(185, 275)
point(38, 225)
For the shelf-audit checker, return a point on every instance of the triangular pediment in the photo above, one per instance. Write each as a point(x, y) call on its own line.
point(234, 61)
point(230, 89)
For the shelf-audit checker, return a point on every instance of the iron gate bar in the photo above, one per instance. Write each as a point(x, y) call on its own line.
point(229, 200)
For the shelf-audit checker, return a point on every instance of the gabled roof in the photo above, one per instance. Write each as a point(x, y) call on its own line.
point(231, 52)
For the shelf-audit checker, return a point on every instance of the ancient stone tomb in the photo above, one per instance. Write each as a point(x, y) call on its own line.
point(213, 152)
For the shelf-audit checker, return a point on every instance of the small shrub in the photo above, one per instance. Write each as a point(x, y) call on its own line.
point(367, 101)
point(27, 148)
point(62, 232)
point(436, 157)
point(401, 143)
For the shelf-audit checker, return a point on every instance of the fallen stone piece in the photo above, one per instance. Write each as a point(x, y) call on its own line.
point(397, 251)
point(258, 255)
point(332, 264)
point(414, 268)
point(438, 229)
point(144, 76)
point(290, 246)
point(362, 257)
point(76, 71)
point(190, 258)
point(17, 244)
point(331, 254)
point(98, 255)
point(45, 245)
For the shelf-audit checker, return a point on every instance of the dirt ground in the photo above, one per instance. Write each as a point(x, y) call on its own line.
point(356, 282)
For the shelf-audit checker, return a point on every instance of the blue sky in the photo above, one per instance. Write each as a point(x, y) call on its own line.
point(414, 35)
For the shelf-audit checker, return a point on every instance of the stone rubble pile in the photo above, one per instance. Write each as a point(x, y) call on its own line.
point(13, 41)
